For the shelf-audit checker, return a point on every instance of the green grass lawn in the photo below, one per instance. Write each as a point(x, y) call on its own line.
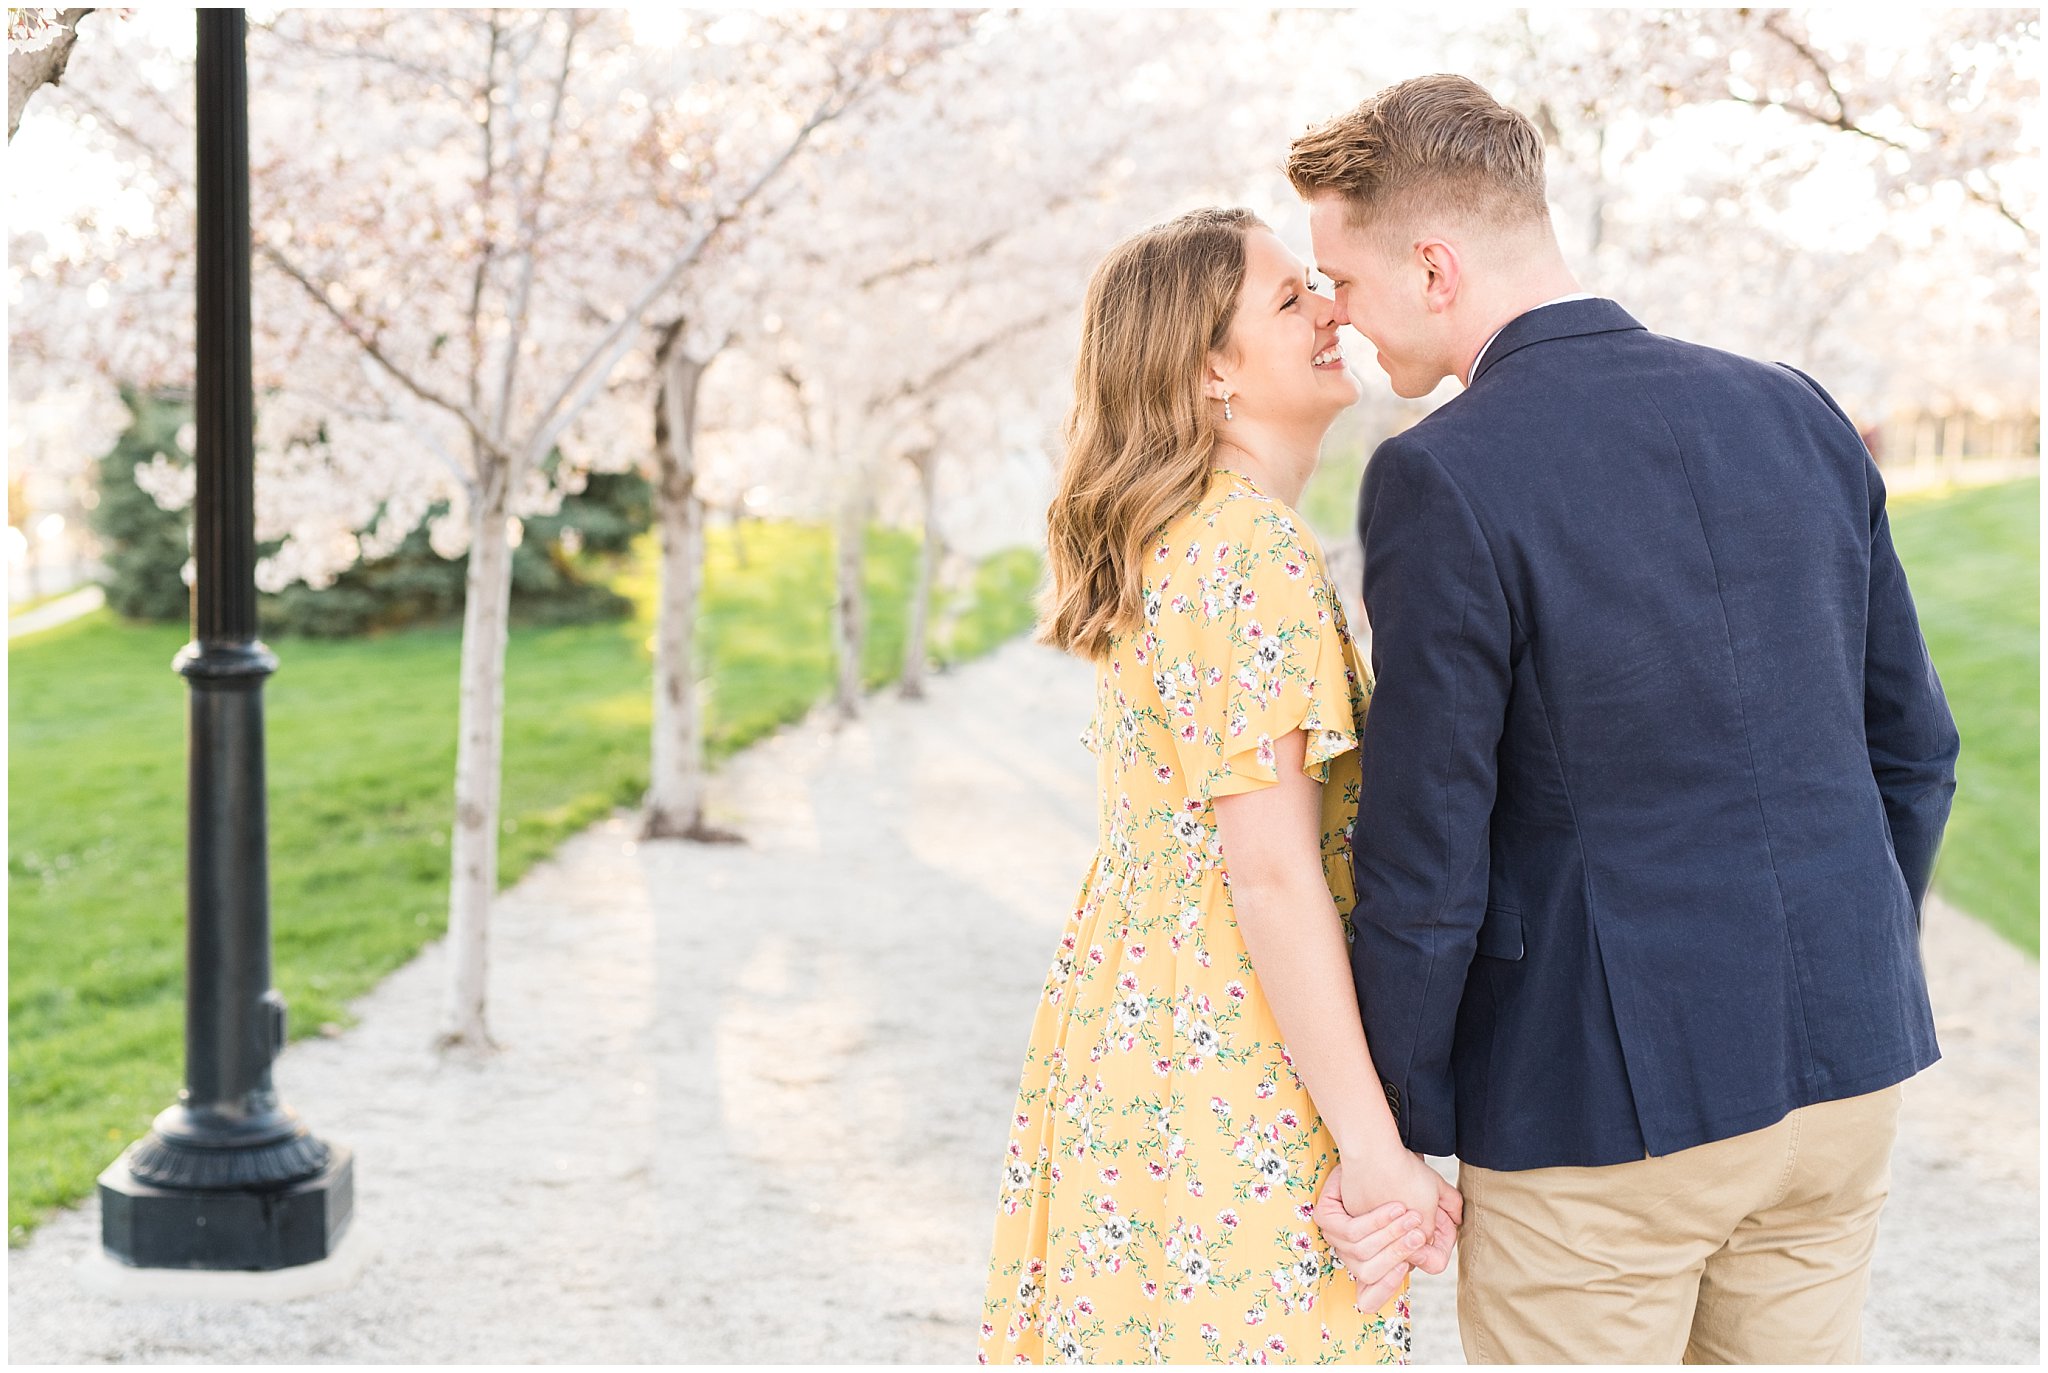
point(1973, 558)
point(361, 759)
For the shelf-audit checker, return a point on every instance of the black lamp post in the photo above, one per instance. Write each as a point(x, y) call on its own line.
point(229, 1177)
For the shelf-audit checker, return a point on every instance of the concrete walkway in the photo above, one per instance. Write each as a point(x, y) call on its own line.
point(69, 606)
point(750, 1101)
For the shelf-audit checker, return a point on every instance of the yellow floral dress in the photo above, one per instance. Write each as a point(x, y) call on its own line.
point(1164, 1157)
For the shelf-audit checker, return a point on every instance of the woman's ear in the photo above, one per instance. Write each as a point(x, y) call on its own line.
point(1215, 382)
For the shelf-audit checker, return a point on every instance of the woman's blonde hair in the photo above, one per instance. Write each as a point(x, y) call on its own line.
point(1139, 439)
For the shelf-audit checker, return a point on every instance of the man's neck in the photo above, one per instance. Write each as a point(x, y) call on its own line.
point(1537, 291)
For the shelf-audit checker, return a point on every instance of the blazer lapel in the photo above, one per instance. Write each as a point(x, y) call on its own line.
point(1567, 320)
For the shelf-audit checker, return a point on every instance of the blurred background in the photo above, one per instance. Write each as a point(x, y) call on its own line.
point(794, 295)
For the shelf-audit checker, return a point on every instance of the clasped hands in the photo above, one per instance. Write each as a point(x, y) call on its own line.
point(1378, 1243)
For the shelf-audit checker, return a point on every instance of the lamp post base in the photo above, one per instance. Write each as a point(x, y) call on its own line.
point(248, 1229)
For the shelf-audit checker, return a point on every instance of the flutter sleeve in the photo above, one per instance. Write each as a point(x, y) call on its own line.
point(1250, 649)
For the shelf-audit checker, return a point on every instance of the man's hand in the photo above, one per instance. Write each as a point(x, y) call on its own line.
point(1435, 1256)
point(1376, 1248)
point(1392, 1173)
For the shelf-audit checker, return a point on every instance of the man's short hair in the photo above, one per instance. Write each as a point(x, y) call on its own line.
point(1427, 149)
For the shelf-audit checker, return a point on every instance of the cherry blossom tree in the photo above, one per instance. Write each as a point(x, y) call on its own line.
point(1800, 184)
point(845, 251)
point(39, 43)
point(456, 266)
point(1013, 201)
point(871, 59)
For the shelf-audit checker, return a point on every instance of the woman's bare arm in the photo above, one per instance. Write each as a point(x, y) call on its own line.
point(1272, 850)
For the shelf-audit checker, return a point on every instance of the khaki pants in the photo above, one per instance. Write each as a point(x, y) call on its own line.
point(1754, 1249)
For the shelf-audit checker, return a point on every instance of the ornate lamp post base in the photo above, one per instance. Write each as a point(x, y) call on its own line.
point(247, 1228)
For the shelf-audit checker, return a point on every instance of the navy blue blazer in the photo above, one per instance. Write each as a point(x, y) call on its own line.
point(1656, 764)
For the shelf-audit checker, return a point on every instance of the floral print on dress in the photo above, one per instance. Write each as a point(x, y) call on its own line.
point(1155, 1197)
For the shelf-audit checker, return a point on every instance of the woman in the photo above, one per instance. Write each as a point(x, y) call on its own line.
point(1173, 1155)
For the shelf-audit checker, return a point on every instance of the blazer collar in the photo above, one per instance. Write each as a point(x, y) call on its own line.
point(1567, 319)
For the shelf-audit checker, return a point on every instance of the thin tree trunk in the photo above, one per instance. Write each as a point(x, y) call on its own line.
point(955, 583)
point(849, 619)
point(739, 536)
point(929, 548)
point(480, 728)
point(674, 808)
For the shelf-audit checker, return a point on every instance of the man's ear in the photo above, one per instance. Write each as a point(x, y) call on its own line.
point(1442, 272)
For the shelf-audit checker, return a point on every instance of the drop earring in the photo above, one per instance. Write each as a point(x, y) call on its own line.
point(1226, 405)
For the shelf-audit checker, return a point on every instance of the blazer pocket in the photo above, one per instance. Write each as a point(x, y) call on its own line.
point(1500, 934)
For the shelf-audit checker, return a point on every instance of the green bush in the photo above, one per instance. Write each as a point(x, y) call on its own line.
point(147, 545)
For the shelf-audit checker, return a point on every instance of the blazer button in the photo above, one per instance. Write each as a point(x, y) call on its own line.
point(1393, 1098)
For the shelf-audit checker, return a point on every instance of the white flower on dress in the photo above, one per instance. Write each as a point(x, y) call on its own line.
point(1398, 1332)
point(1130, 1010)
point(1270, 1166)
point(1116, 1232)
point(1203, 1038)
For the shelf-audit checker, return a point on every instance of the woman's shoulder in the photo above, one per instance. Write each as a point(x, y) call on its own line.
point(1234, 517)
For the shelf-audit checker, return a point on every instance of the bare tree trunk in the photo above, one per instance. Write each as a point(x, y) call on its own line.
point(849, 618)
point(929, 549)
point(478, 757)
point(739, 535)
point(955, 582)
point(28, 72)
point(674, 808)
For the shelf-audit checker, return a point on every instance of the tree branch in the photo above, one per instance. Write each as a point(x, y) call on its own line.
point(373, 350)
point(584, 382)
point(529, 234)
point(28, 72)
point(1842, 121)
point(973, 353)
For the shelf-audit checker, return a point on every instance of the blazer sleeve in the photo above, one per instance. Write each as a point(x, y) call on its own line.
point(1440, 645)
point(1906, 721)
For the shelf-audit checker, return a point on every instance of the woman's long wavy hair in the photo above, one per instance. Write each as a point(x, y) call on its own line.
point(1140, 438)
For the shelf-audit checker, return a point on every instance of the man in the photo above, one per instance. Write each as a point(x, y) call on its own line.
point(1654, 775)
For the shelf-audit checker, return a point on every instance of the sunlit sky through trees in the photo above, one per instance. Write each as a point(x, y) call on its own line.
point(1852, 190)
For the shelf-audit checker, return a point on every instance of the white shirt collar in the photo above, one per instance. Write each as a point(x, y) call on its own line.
point(1474, 369)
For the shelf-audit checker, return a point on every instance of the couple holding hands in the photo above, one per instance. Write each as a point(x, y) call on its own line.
point(1604, 877)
